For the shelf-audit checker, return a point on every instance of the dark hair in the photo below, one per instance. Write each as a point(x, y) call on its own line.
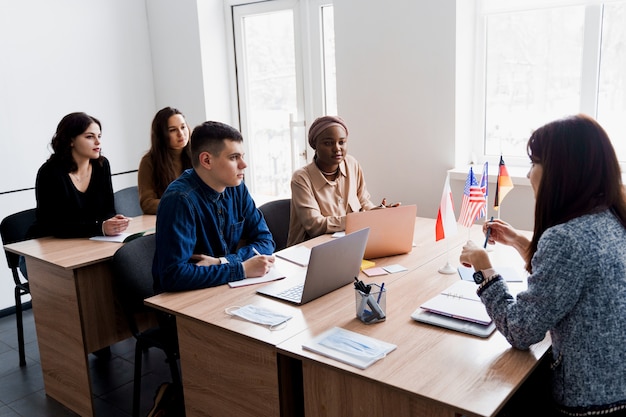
point(71, 126)
point(581, 174)
point(163, 172)
point(209, 137)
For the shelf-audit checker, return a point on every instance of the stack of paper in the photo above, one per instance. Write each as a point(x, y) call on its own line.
point(299, 255)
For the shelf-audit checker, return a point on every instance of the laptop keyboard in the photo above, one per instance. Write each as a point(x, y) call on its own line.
point(294, 293)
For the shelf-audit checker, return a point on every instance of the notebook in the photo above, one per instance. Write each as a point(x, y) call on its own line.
point(459, 308)
point(459, 301)
point(332, 264)
point(391, 230)
point(463, 326)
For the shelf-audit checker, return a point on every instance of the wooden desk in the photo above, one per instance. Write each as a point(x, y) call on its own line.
point(433, 372)
point(74, 308)
point(233, 367)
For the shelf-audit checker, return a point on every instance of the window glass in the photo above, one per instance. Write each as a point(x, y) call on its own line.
point(270, 67)
point(330, 77)
point(612, 80)
point(532, 74)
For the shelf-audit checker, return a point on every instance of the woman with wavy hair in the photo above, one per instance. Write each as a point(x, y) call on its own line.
point(577, 264)
point(167, 158)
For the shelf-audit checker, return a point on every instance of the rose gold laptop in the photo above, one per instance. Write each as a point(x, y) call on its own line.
point(391, 230)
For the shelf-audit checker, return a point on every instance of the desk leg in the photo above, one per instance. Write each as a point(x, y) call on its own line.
point(226, 374)
point(59, 333)
point(330, 393)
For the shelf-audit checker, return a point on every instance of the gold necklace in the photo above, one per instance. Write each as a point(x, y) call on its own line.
point(328, 174)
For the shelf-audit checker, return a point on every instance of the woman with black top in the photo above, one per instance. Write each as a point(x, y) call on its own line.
point(73, 189)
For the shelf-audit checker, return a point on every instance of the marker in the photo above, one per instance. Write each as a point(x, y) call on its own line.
point(487, 234)
point(256, 251)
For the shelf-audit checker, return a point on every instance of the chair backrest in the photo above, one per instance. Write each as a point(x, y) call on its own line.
point(14, 228)
point(132, 266)
point(277, 214)
point(127, 202)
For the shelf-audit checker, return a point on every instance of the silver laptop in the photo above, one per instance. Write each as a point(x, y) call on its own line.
point(391, 230)
point(332, 265)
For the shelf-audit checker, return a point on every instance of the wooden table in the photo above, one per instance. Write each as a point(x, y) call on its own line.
point(233, 367)
point(74, 309)
point(433, 372)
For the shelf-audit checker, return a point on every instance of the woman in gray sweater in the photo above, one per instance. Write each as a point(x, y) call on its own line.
point(577, 264)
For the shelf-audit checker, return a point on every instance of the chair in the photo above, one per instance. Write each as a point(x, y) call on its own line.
point(14, 228)
point(132, 266)
point(277, 214)
point(127, 202)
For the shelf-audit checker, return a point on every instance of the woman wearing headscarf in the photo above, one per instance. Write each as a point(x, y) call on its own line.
point(328, 188)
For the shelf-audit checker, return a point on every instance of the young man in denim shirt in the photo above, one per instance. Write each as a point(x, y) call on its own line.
point(208, 229)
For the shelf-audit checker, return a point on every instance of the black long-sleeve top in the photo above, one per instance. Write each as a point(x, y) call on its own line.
point(65, 212)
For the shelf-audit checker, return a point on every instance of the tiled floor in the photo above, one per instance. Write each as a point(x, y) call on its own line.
point(22, 390)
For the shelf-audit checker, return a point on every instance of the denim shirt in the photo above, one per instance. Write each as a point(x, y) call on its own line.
point(192, 218)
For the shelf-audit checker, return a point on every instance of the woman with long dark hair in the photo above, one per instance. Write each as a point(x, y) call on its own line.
point(577, 264)
point(73, 188)
point(167, 158)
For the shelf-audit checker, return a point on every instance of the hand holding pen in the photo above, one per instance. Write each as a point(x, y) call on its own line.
point(488, 233)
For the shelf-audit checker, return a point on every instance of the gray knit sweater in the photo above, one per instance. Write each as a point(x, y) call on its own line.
point(577, 292)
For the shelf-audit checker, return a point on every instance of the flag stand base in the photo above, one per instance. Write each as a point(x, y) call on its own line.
point(447, 269)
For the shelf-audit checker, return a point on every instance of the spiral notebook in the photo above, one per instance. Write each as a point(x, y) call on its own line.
point(457, 308)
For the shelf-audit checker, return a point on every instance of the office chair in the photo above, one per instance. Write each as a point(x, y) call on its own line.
point(132, 266)
point(277, 214)
point(14, 228)
point(127, 202)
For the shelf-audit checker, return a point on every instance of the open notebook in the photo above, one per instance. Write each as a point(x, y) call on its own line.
point(457, 308)
point(391, 230)
point(331, 265)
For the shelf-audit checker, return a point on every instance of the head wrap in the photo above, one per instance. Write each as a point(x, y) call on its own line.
point(321, 124)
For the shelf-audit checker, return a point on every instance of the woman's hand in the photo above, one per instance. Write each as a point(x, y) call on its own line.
point(474, 255)
point(115, 225)
point(504, 233)
point(383, 204)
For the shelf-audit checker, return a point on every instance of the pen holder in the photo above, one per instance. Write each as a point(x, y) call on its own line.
point(370, 308)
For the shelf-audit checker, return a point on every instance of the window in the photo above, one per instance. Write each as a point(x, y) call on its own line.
point(285, 59)
point(546, 60)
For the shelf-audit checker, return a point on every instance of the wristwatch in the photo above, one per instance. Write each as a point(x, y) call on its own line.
point(223, 260)
point(480, 276)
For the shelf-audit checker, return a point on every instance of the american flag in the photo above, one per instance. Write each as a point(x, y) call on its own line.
point(484, 186)
point(473, 201)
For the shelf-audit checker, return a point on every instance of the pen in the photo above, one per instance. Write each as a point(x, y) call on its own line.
point(256, 251)
point(487, 234)
point(382, 288)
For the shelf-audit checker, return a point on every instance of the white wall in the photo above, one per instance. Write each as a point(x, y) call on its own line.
point(396, 91)
point(189, 61)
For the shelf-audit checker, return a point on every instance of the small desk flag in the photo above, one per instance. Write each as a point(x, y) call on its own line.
point(446, 222)
point(484, 186)
point(504, 184)
point(473, 201)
